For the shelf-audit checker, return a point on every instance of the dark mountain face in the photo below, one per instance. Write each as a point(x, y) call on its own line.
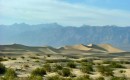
point(57, 35)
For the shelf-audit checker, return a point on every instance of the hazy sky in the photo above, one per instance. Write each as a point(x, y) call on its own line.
point(66, 12)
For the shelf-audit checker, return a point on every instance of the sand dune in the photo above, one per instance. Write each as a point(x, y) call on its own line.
point(78, 47)
point(110, 48)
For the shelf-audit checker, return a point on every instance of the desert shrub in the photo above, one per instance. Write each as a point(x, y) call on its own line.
point(37, 61)
point(1, 78)
point(105, 70)
point(37, 54)
point(115, 65)
point(2, 68)
point(9, 57)
point(55, 77)
point(2, 59)
point(57, 67)
point(56, 60)
point(35, 77)
point(22, 57)
point(13, 58)
point(106, 62)
point(10, 74)
point(25, 65)
point(100, 78)
point(32, 57)
point(86, 67)
point(48, 55)
point(39, 72)
point(87, 63)
point(124, 62)
point(65, 72)
point(84, 60)
point(71, 64)
point(85, 77)
point(122, 71)
point(47, 67)
point(119, 78)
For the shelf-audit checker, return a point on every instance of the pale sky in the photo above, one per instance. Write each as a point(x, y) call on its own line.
point(66, 12)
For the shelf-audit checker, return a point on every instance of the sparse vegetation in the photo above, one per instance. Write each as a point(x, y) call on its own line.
point(105, 70)
point(55, 77)
point(10, 74)
point(86, 67)
point(2, 59)
point(100, 78)
point(2, 68)
point(57, 60)
point(32, 57)
point(48, 55)
point(38, 72)
point(122, 71)
point(13, 58)
point(26, 65)
point(119, 78)
point(116, 65)
point(63, 67)
point(22, 57)
point(47, 67)
point(71, 64)
point(35, 77)
point(85, 77)
point(65, 72)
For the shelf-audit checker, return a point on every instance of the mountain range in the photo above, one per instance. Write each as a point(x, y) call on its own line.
point(57, 35)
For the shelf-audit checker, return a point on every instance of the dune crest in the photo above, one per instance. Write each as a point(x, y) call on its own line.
point(110, 48)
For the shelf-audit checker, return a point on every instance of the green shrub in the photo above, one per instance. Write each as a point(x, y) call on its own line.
point(10, 74)
point(115, 65)
point(71, 64)
point(85, 77)
point(57, 60)
point(122, 71)
point(2, 68)
point(9, 57)
point(105, 70)
point(48, 55)
point(39, 72)
point(13, 58)
point(119, 78)
point(22, 57)
point(2, 59)
point(86, 67)
point(65, 72)
point(57, 67)
point(35, 77)
point(56, 77)
point(25, 65)
point(47, 67)
point(124, 62)
point(37, 61)
point(100, 78)
point(84, 60)
point(86, 63)
point(34, 57)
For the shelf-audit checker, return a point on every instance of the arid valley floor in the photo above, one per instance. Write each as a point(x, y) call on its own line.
point(77, 62)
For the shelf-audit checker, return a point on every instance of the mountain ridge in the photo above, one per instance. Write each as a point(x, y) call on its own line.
point(58, 35)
